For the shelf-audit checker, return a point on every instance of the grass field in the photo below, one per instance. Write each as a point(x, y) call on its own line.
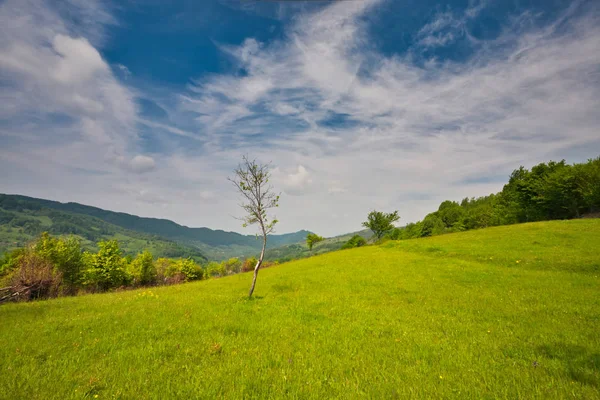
point(508, 312)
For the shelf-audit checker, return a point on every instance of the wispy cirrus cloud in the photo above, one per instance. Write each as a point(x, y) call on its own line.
point(448, 26)
point(525, 96)
point(347, 127)
point(57, 88)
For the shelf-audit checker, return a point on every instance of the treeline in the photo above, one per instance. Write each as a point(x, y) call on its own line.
point(58, 266)
point(549, 191)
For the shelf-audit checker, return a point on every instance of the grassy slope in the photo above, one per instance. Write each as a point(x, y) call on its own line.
point(453, 316)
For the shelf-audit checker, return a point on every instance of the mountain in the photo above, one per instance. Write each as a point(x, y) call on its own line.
point(37, 215)
point(298, 250)
point(20, 224)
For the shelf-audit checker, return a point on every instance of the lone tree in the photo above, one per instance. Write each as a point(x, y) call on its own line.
point(312, 239)
point(381, 223)
point(252, 181)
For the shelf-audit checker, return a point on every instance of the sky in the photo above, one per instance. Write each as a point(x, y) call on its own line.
point(146, 107)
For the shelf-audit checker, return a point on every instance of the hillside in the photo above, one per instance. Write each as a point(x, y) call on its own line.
point(215, 244)
point(505, 312)
point(18, 228)
point(298, 250)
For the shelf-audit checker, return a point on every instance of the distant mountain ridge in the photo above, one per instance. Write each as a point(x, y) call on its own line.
point(215, 244)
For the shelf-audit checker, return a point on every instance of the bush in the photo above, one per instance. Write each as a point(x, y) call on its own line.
point(269, 264)
point(215, 269)
point(162, 266)
point(106, 269)
point(233, 266)
point(9, 262)
point(34, 278)
point(190, 270)
point(249, 264)
point(65, 255)
point(142, 269)
point(355, 241)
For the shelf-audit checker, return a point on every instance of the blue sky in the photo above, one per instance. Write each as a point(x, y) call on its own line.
point(147, 106)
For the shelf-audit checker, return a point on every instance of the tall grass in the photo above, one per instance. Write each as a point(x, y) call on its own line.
point(509, 312)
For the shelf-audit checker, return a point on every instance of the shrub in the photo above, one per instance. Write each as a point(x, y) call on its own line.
point(215, 269)
point(162, 266)
point(9, 262)
point(233, 266)
point(269, 264)
point(106, 269)
point(190, 270)
point(142, 269)
point(249, 264)
point(355, 241)
point(65, 255)
point(34, 278)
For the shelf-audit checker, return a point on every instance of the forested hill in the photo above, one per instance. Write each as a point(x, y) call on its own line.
point(215, 244)
point(21, 224)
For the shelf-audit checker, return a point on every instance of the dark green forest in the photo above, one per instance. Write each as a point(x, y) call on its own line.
point(549, 191)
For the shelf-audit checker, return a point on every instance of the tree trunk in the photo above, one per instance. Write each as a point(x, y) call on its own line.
point(258, 264)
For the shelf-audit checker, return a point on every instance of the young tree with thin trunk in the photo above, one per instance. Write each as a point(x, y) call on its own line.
point(252, 181)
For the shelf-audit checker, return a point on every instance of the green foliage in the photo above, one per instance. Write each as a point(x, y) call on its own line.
point(451, 213)
point(57, 266)
point(232, 266)
point(249, 264)
point(447, 317)
point(190, 270)
point(9, 261)
point(432, 225)
point(106, 269)
point(164, 269)
point(553, 190)
point(312, 239)
point(381, 223)
point(65, 255)
point(354, 241)
point(215, 269)
point(588, 184)
point(142, 269)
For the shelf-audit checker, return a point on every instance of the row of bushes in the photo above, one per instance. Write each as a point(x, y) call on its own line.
point(549, 191)
point(56, 266)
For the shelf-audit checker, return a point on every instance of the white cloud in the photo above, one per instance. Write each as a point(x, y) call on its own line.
point(419, 133)
point(142, 164)
point(404, 136)
point(447, 27)
point(79, 60)
point(295, 183)
point(58, 82)
point(124, 70)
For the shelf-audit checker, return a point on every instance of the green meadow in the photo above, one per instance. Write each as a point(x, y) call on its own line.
point(506, 312)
